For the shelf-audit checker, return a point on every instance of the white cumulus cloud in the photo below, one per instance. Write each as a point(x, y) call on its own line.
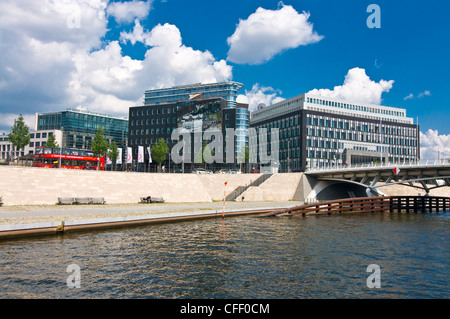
point(419, 96)
point(107, 80)
point(259, 95)
point(357, 87)
point(169, 62)
point(127, 12)
point(266, 33)
point(53, 55)
point(433, 145)
point(137, 35)
point(39, 39)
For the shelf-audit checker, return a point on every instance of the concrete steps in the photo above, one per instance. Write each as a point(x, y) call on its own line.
point(279, 187)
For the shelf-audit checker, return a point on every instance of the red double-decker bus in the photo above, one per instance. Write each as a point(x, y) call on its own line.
point(67, 158)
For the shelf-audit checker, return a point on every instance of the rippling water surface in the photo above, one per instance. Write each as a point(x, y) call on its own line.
point(241, 257)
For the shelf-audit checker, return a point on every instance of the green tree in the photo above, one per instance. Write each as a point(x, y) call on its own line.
point(159, 151)
point(244, 157)
point(99, 144)
point(51, 142)
point(113, 153)
point(20, 135)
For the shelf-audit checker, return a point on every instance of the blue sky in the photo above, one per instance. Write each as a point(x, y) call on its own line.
point(101, 55)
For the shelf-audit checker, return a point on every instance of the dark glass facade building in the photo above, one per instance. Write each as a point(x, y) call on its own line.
point(149, 123)
point(79, 127)
point(225, 90)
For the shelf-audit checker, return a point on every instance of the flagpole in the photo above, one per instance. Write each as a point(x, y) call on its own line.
point(224, 195)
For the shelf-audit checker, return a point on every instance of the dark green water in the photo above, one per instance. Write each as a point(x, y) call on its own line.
point(241, 257)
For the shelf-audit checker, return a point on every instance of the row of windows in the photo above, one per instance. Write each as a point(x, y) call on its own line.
point(154, 121)
point(281, 123)
point(360, 126)
point(363, 137)
point(6, 155)
point(154, 111)
point(40, 135)
point(327, 154)
point(156, 131)
point(168, 120)
point(355, 107)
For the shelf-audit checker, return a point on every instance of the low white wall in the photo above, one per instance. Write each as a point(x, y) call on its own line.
point(40, 186)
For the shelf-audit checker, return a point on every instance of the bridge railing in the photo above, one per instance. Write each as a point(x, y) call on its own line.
point(329, 167)
point(370, 204)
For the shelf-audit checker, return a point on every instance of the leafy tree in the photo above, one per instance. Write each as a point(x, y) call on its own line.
point(159, 151)
point(99, 144)
point(20, 135)
point(51, 142)
point(113, 152)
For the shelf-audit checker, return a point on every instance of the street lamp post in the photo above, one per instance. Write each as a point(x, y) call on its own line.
point(60, 148)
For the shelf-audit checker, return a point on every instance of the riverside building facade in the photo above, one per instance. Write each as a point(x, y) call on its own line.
point(78, 127)
point(315, 131)
point(227, 90)
point(149, 123)
point(174, 99)
point(9, 152)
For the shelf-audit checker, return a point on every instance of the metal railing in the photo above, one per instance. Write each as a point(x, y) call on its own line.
point(241, 189)
point(340, 167)
point(370, 204)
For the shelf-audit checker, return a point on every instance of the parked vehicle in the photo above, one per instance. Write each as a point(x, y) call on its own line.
point(201, 171)
point(235, 171)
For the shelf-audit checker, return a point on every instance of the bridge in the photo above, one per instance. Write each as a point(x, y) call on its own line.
point(422, 175)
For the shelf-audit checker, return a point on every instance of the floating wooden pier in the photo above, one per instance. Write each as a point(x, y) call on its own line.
point(408, 204)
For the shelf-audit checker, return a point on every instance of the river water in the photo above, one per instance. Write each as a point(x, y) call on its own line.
point(240, 257)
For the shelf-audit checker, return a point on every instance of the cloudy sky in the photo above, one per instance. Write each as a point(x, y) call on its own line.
point(102, 55)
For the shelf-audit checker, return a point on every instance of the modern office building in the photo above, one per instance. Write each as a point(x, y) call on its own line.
point(39, 138)
point(315, 131)
point(78, 127)
point(226, 90)
point(149, 123)
point(8, 152)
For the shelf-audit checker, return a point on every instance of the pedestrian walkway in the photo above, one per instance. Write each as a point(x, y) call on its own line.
point(32, 220)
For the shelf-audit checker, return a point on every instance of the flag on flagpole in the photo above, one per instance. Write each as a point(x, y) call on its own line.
point(129, 156)
point(149, 154)
point(108, 160)
point(396, 170)
point(119, 157)
point(140, 154)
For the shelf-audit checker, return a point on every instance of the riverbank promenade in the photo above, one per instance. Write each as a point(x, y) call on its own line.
point(16, 221)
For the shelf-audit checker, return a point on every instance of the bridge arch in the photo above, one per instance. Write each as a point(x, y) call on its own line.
point(374, 178)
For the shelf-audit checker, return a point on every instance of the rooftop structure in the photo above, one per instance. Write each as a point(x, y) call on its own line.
point(226, 90)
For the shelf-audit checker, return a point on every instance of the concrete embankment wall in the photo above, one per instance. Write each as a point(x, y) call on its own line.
point(40, 186)
point(35, 186)
point(279, 187)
